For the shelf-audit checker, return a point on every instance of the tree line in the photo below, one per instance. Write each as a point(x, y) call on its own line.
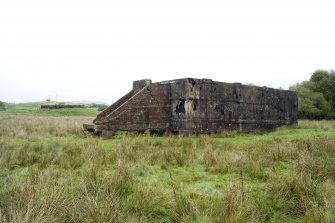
point(316, 97)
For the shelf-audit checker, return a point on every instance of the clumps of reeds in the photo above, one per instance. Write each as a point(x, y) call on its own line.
point(52, 172)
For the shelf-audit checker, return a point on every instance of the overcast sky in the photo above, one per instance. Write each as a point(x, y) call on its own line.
point(94, 50)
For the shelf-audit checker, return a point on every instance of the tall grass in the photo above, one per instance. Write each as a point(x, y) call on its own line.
point(316, 124)
point(51, 171)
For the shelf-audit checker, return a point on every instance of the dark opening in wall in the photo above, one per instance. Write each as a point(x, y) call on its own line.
point(222, 111)
point(180, 108)
point(195, 104)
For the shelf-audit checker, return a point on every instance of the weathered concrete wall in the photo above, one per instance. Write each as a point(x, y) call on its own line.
point(138, 85)
point(198, 106)
point(114, 106)
point(149, 108)
point(208, 106)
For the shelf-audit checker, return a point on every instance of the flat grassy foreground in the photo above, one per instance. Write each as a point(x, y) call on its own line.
point(51, 171)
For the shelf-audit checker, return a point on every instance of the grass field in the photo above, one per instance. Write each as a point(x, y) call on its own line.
point(51, 171)
point(34, 108)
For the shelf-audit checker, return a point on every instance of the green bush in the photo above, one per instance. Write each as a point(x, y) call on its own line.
point(316, 97)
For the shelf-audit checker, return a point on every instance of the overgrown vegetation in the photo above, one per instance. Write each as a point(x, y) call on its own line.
point(51, 171)
point(317, 96)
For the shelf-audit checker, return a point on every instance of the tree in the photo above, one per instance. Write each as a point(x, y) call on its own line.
point(325, 84)
point(312, 105)
point(319, 75)
point(316, 97)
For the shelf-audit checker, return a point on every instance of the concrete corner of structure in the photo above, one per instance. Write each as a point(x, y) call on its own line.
point(139, 84)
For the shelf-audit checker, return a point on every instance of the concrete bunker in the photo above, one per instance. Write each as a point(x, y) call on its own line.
point(192, 105)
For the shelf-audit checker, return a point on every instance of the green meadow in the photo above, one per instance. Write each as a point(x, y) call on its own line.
point(34, 108)
point(53, 171)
